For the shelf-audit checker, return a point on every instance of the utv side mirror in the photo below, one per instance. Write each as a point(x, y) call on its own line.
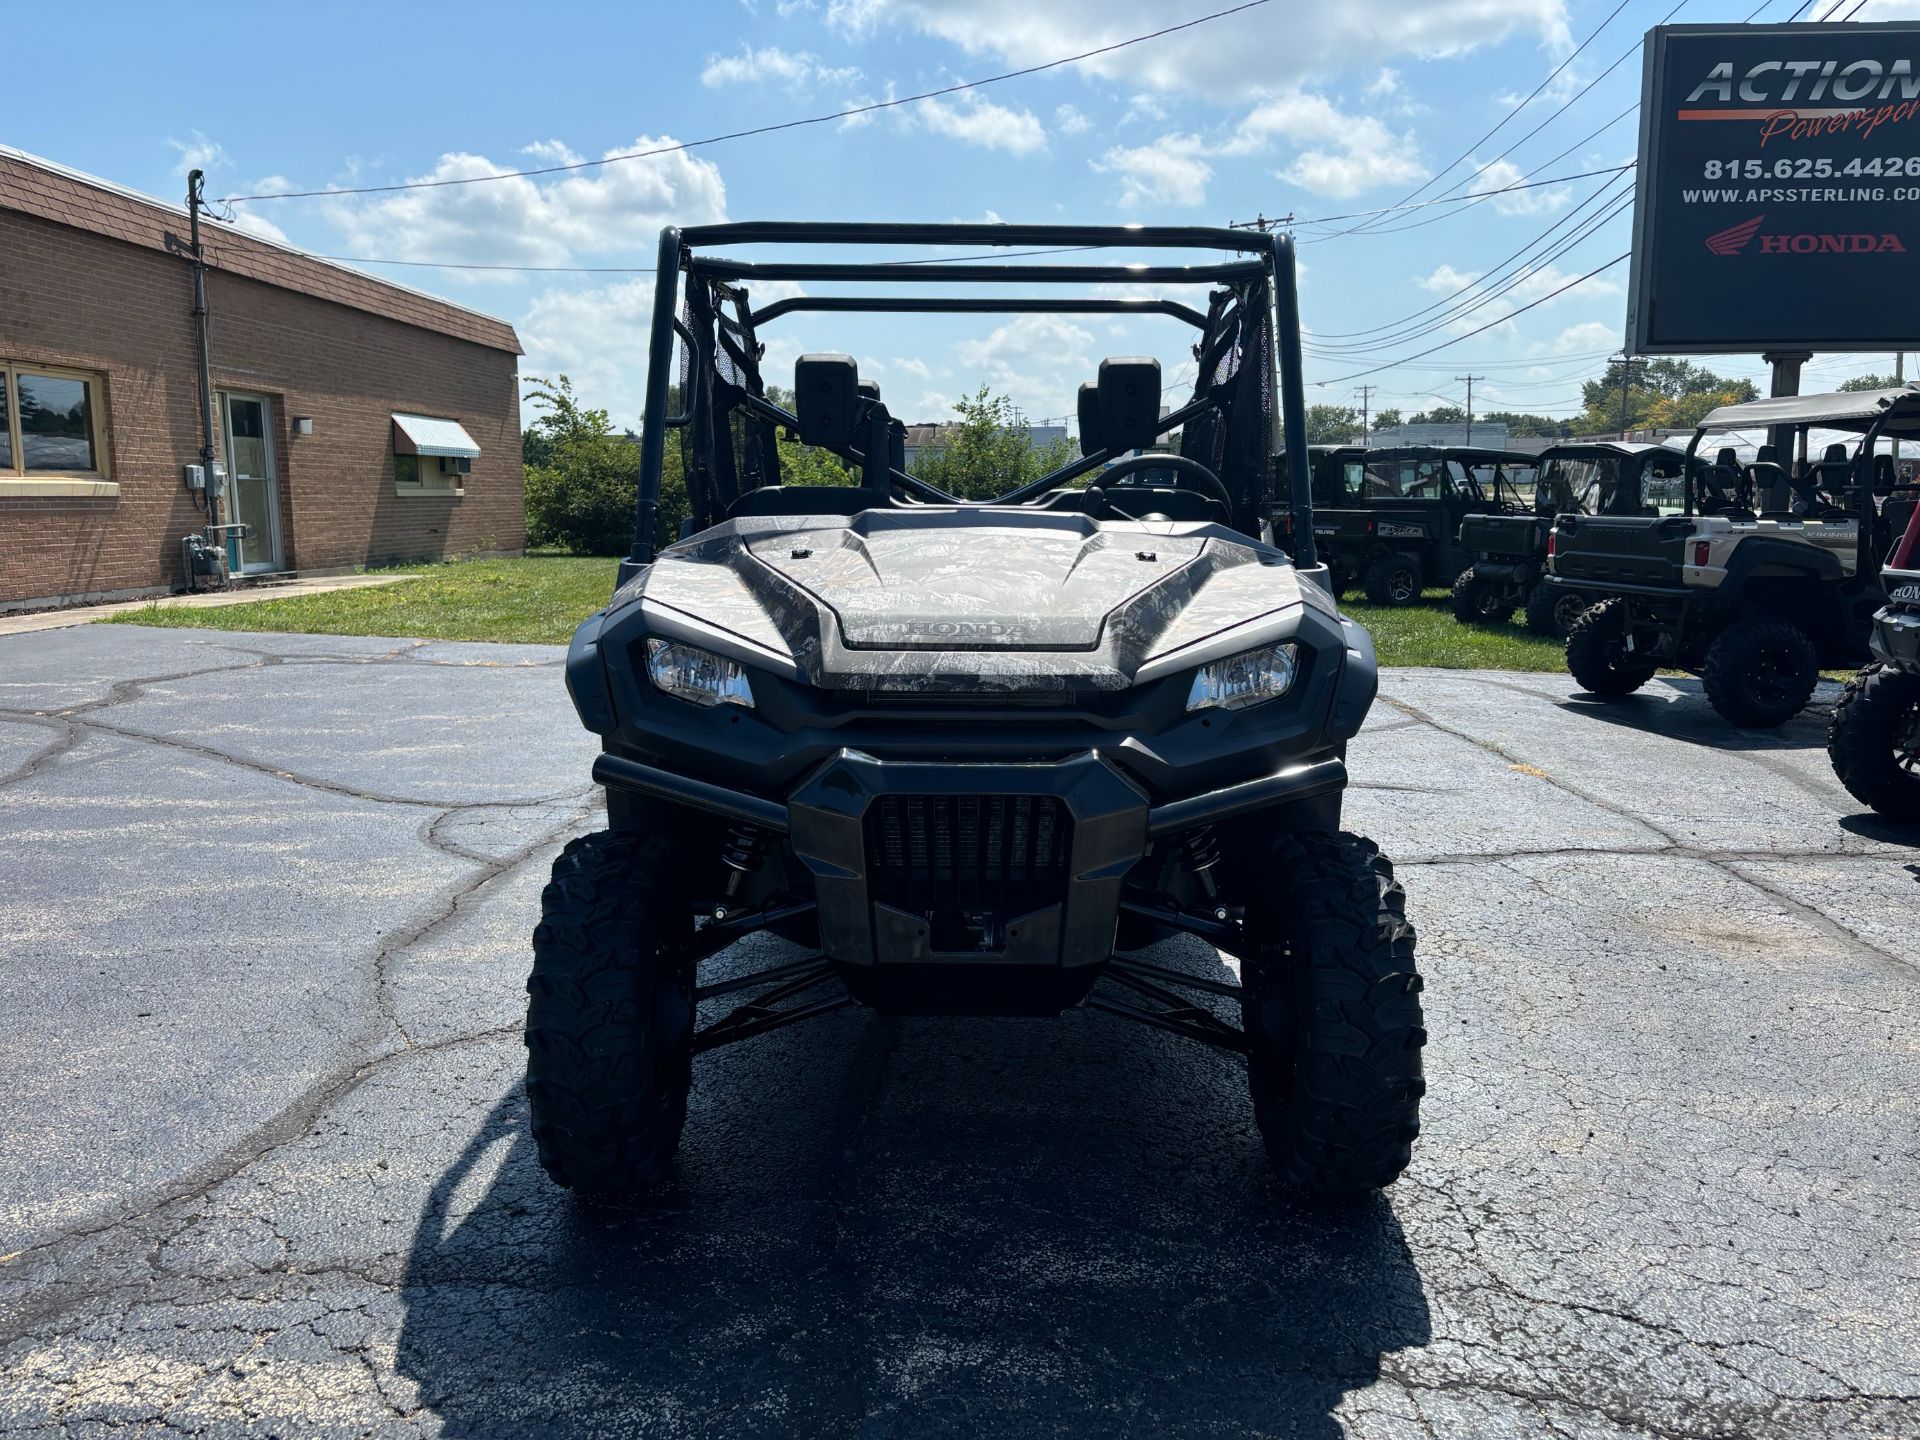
point(1129, 403)
point(827, 399)
point(1090, 442)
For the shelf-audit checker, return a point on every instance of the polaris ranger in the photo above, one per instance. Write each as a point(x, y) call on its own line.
point(1756, 604)
point(973, 757)
point(1873, 739)
point(1508, 552)
point(1395, 523)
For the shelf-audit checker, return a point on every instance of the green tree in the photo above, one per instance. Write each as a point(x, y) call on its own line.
point(1440, 415)
point(1520, 424)
point(1667, 394)
point(1388, 419)
point(1871, 382)
point(806, 464)
point(1332, 424)
point(989, 451)
point(581, 476)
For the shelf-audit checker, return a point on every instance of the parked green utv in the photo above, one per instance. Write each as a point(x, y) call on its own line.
point(1388, 520)
point(1508, 552)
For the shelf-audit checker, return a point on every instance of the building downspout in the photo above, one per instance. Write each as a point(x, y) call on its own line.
point(195, 203)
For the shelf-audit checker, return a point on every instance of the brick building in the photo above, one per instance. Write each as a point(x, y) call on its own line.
point(358, 422)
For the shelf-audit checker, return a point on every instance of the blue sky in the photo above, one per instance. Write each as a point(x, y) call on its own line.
point(1311, 110)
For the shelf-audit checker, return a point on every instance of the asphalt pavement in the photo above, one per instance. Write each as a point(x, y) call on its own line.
point(264, 1166)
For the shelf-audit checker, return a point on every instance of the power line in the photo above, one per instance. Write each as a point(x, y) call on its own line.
point(1519, 277)
point(848, 113)
point(1463, 199)
point(1551, 77)
point(649, 269)
point(1458, 339)
point(1486, 277)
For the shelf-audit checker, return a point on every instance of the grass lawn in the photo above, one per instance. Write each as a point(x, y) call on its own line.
point(536, 600)
point(541, 598)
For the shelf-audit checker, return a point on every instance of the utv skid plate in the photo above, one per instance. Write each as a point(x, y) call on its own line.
point(1153, 996)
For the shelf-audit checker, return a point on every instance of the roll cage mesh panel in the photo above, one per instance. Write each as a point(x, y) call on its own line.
point(725, 451)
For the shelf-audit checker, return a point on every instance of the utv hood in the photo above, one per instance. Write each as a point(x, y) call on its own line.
point(966, 599)
point(1010, 587)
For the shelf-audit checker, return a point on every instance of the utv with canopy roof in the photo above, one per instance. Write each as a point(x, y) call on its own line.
point(1389, 519)
point(971, 758)
point(1508, 552)
point(1755, 602)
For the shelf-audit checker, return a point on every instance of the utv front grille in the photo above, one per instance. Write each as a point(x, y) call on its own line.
point(967, 863)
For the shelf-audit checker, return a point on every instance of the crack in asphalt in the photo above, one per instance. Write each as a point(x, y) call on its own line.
point(1674, 845)
point(378, 1018)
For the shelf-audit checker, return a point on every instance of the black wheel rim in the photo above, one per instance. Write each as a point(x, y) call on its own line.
point(1400, 586)
point(1489, 604)
point(1774, 679)
point(1566, 610)
point(1906, 740)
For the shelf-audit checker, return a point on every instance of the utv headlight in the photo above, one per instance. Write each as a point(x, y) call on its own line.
point(697, 676)
point(1243, 680)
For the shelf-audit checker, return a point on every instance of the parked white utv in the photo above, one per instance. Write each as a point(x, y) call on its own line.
point(1755, 601)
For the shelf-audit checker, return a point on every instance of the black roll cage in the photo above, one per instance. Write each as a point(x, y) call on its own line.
point(1258, 298)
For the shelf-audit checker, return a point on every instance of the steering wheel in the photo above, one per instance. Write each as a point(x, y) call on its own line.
point(1187, 474)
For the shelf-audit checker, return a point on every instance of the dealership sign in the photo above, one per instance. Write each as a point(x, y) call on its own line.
point(1777, 203)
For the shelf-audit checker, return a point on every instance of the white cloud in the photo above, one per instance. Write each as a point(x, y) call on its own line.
point(1545, 200)
point(197, 153)
point(1171, 171)
point(1069, 121)
point(1143, 107)
point(909, 365)
point(793, 70)
point(1537, 284)
point(527, 221)
point(1385, 84)
point(1038, 360)
point(1340, 155)
point(1231, 59)
point(980, 122)
point(1584, 338)
point(598, 338)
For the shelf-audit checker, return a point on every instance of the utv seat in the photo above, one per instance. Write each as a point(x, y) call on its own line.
point(1719, 486)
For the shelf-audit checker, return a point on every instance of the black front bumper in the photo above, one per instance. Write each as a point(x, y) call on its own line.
point(1055, 839)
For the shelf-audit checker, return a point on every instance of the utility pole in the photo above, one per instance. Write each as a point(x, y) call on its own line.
point(1626, 364)
point(1469, 379)
point(1261, 223)
point(196, 202)
point(1899, 378)
point(1365, 392)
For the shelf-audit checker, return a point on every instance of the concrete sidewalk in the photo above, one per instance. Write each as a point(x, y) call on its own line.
point(26, 622)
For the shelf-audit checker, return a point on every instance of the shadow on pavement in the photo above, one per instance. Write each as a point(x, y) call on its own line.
point(921, 1227)
point(1693, 721)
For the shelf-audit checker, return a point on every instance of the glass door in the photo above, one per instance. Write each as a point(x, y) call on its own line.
point(252, 496)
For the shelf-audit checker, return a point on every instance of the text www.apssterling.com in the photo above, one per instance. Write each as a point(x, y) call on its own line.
point(1802, 195)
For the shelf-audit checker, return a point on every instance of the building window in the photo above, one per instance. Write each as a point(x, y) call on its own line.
point(51, 440)
point(431, 455)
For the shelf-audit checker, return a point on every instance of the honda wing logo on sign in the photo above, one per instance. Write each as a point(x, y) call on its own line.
point(1735, 238)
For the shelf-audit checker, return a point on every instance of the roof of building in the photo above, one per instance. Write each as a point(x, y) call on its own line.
point(54, 192)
